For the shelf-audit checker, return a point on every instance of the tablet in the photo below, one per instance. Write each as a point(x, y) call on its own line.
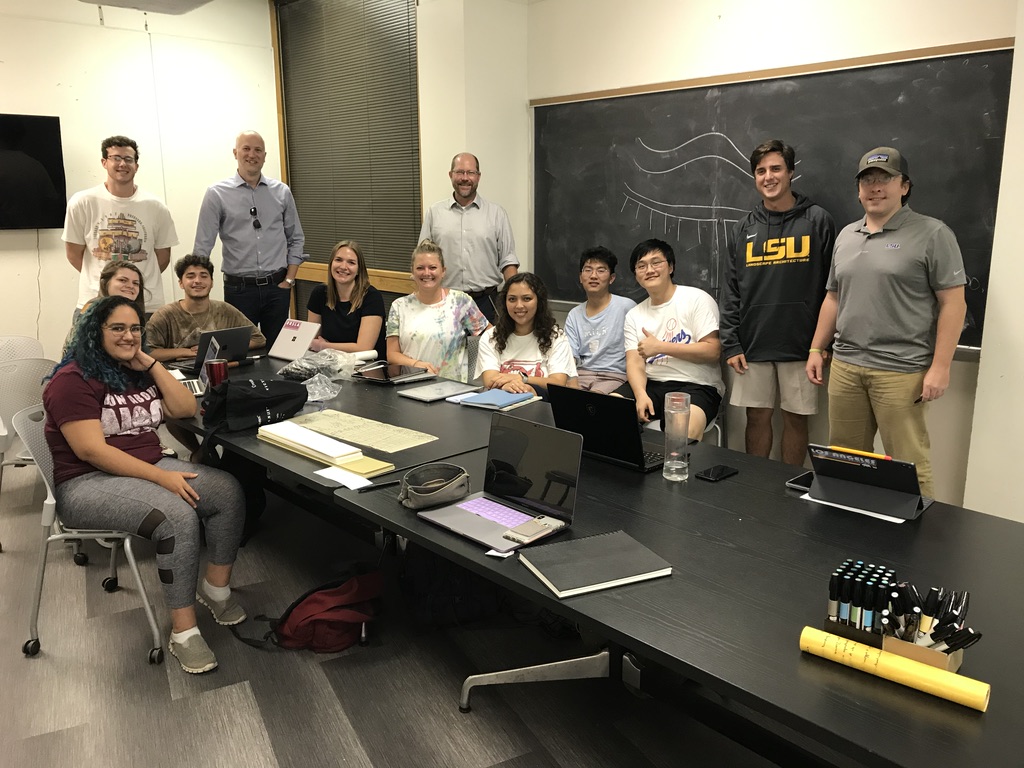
point(393, 374)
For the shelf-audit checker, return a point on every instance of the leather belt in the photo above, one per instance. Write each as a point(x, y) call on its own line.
point(272, 279)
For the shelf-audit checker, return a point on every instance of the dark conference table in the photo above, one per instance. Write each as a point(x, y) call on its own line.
point(750, 570)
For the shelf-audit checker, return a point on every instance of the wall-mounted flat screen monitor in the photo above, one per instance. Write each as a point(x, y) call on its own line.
point(32, 189)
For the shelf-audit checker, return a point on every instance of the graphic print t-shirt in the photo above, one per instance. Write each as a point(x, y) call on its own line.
point(129, 419)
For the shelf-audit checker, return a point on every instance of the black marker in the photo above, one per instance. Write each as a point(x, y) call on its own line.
point(833, 597)
point(845, 593)
point(913, 622)
point(931, 607)
point(857, 603)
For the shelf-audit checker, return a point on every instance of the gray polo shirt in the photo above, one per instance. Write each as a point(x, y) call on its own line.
point(477, 242)
point(885, 284)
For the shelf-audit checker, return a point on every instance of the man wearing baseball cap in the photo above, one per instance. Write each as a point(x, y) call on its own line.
point(894, 308)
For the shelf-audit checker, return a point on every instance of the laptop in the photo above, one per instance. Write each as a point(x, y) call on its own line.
point(530, 483)
point(384, 373)
point(439, 390)
point(199, 385)
point(294, 340)
point(234, 345)
point(608, 424)
point(866, 481)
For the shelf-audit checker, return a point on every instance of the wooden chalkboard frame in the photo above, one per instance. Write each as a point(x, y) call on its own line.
point(550, 213)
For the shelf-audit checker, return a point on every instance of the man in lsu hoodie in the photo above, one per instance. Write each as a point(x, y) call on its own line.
point(775, 282)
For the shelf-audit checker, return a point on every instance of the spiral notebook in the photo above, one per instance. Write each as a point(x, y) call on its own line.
point(578, 566)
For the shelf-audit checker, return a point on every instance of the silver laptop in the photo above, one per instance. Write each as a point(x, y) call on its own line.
point(199, 385)
point(608, 424)
point(530, 483)
point(294, 340)
point(234, 346)
point(439, 390)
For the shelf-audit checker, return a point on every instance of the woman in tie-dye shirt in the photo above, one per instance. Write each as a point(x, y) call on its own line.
point(428, 328)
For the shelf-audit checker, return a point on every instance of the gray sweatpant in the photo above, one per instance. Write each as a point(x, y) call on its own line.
point(100, 500)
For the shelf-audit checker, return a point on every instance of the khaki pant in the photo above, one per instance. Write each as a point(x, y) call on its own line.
point(863, 400)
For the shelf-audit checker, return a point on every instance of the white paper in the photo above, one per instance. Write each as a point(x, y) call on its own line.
point(348, 479)
point(496, 553)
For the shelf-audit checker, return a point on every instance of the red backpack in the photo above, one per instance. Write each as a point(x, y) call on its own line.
point(326, 619)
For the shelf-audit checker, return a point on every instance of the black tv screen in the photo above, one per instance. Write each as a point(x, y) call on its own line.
point(33, 194)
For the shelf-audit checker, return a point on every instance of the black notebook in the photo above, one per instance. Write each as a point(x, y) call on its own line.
point(578, 566)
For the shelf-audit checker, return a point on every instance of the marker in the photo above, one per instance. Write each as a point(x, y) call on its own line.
point(940, 635)
point(868, 454)
point(931, 607)
point(375, 486)
point(845, 593)
point(888, 627)
point(857, 604)
point(913, 622)
point(833, 597)
point(868, 612)
point(964, 644)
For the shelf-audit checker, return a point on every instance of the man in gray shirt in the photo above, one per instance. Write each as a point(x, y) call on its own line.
point(894, 305)
point(260, 234)
point(475, 235)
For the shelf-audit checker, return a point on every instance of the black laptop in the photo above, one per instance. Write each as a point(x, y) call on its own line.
point(608, 424)
point(529, 490)
point(866, 481)
point(234, 346)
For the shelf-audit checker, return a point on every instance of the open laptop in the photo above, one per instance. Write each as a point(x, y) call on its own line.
point(199, 385)
point(530, 483)
point(234, 346)
point(866, 481)
point(294, 340)
point(608, 424)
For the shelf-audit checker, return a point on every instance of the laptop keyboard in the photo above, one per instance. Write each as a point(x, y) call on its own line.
point(653, 457)
point(195, 386)
point(498, 513)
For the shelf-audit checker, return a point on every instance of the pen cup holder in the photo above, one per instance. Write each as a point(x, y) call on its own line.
point(950, 662)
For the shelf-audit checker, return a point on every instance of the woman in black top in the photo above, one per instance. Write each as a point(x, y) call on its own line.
point(350, 310)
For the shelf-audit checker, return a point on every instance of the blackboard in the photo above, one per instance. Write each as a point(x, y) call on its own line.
point(675, 165)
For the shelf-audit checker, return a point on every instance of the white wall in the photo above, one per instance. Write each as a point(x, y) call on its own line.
point(578, 46)
point(183, 88)
point(473, 97)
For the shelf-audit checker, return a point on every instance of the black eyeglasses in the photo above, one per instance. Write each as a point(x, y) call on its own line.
point(255, 220)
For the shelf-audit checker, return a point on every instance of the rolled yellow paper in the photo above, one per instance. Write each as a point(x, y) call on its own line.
point(937, 682)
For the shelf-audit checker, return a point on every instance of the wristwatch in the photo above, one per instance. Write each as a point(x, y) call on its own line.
point(290, 280)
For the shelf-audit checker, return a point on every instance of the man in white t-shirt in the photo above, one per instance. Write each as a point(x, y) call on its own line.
point(595, 327)
point(671, 342)
point(117, 221)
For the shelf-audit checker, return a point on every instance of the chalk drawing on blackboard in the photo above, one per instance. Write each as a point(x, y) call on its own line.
point(694, 193)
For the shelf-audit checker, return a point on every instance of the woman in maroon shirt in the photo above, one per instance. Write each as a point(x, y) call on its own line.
point(104, 403)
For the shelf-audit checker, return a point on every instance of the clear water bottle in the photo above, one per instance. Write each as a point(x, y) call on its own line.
point(677, 430)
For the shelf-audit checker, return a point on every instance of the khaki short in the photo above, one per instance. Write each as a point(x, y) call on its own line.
point(760, 386)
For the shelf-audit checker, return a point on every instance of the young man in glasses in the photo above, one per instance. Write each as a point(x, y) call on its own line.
point(117, 221)
point(475, 236)
point(894, 308)
point(595, 327)
point(260, 234)
point(671, 342)
point(775, 281)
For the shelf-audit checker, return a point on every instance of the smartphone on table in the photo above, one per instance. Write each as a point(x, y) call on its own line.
point(801, 482)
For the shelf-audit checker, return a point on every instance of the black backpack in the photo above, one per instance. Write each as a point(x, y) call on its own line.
point(238, 404)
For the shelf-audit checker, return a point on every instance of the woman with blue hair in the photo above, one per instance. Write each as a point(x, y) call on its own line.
point(104, 402)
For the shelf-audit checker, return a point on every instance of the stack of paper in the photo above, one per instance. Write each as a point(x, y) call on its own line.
point(327, 450)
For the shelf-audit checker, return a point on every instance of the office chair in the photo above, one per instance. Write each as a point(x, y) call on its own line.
point(21, 385)
point(29, 425)
point(19, 346)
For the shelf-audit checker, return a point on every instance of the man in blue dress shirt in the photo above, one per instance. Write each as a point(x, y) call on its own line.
point(260, 234)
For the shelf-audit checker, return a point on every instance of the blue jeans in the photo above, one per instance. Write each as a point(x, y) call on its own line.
point(265, 305)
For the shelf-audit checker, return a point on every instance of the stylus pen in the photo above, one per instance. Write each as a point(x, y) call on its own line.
point(375, 486)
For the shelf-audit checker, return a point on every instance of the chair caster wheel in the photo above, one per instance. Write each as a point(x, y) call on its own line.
point(30, 648)
point(81, 558)
point(110, 584)
point(156, 656)
point(465, 710)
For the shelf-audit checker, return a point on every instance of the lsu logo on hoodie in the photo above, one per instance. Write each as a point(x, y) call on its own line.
point(779, 250)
